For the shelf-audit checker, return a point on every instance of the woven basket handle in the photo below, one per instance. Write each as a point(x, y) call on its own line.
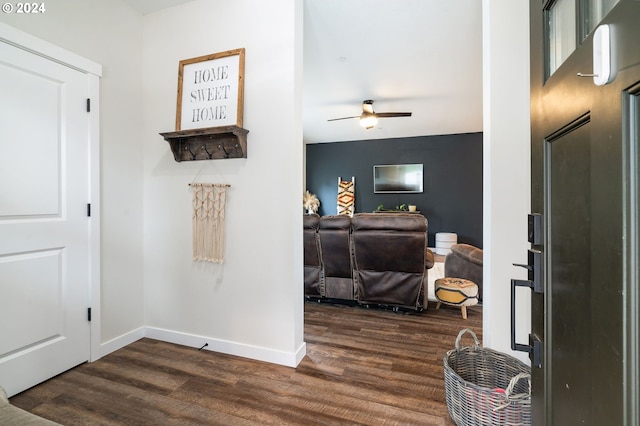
point(513, 382)
point(475, 338)
point(509, 397)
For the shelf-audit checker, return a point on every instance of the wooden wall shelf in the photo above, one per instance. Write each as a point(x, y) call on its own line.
point(211, 143)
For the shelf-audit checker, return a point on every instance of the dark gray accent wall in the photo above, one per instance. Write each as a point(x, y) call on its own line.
point(452, 197)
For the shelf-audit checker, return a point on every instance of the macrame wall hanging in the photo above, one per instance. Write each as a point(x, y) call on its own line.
point(208, 221)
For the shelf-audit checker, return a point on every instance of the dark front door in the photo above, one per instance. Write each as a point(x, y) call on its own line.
point(585, 168)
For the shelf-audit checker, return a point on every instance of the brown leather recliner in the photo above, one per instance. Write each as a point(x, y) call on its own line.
point(391, 259)
point(335, 241)
point(313, 272)
point(465, 261)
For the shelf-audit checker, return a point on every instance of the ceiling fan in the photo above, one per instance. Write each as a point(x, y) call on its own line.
point(369, 118)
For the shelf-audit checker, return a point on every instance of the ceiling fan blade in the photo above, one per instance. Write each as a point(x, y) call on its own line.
point(392, 114)
point(343, 118)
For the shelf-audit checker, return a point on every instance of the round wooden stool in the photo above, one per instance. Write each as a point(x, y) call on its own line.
point(456, 292)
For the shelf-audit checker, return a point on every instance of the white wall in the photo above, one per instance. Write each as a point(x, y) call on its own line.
point(109, 33)
point(506, 168)
point(252, 305)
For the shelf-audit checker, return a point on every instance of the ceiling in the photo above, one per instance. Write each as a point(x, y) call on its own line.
point(149, 6)
point(422, 56)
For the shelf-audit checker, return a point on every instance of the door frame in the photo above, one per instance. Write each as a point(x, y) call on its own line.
point(631, 252)
point(93, 71)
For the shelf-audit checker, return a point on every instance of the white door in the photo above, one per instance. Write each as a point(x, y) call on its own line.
point(44, 228)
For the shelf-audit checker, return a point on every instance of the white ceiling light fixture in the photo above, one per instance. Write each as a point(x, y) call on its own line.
point(369, 118)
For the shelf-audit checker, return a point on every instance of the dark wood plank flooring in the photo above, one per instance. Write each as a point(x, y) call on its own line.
point(363, 366)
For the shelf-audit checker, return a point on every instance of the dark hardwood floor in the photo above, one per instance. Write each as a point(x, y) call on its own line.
point(363, 366)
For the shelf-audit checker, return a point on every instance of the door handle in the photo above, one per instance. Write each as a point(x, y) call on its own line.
point(535, 271)
point(535, 347)
point(517, 346)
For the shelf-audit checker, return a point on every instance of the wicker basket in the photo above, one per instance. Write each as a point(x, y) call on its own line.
point(486, 387)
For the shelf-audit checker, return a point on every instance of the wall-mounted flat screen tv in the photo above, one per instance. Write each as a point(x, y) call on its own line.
point(397, 178)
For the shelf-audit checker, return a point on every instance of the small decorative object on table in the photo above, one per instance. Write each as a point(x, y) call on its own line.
point(486, 387)
point(310, 202)
point(400, 208)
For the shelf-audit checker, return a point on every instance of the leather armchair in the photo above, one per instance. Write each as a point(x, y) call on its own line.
point(391, 259)
point(335, 246)
point(465, 261)
point(313, 272)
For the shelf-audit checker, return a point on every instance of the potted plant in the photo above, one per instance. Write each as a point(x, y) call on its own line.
point(398, 208)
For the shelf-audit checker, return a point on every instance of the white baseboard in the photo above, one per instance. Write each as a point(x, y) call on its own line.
point(300, 353)
point(119, 342)
point(288, 359)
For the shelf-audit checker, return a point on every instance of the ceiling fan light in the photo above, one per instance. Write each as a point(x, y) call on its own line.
point(368, 120)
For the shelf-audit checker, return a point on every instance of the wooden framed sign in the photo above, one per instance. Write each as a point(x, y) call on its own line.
point(211, 91)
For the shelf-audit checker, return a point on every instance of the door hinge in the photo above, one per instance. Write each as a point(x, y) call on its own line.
point(89, 314)
point(88, 104)
point(88, 209)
